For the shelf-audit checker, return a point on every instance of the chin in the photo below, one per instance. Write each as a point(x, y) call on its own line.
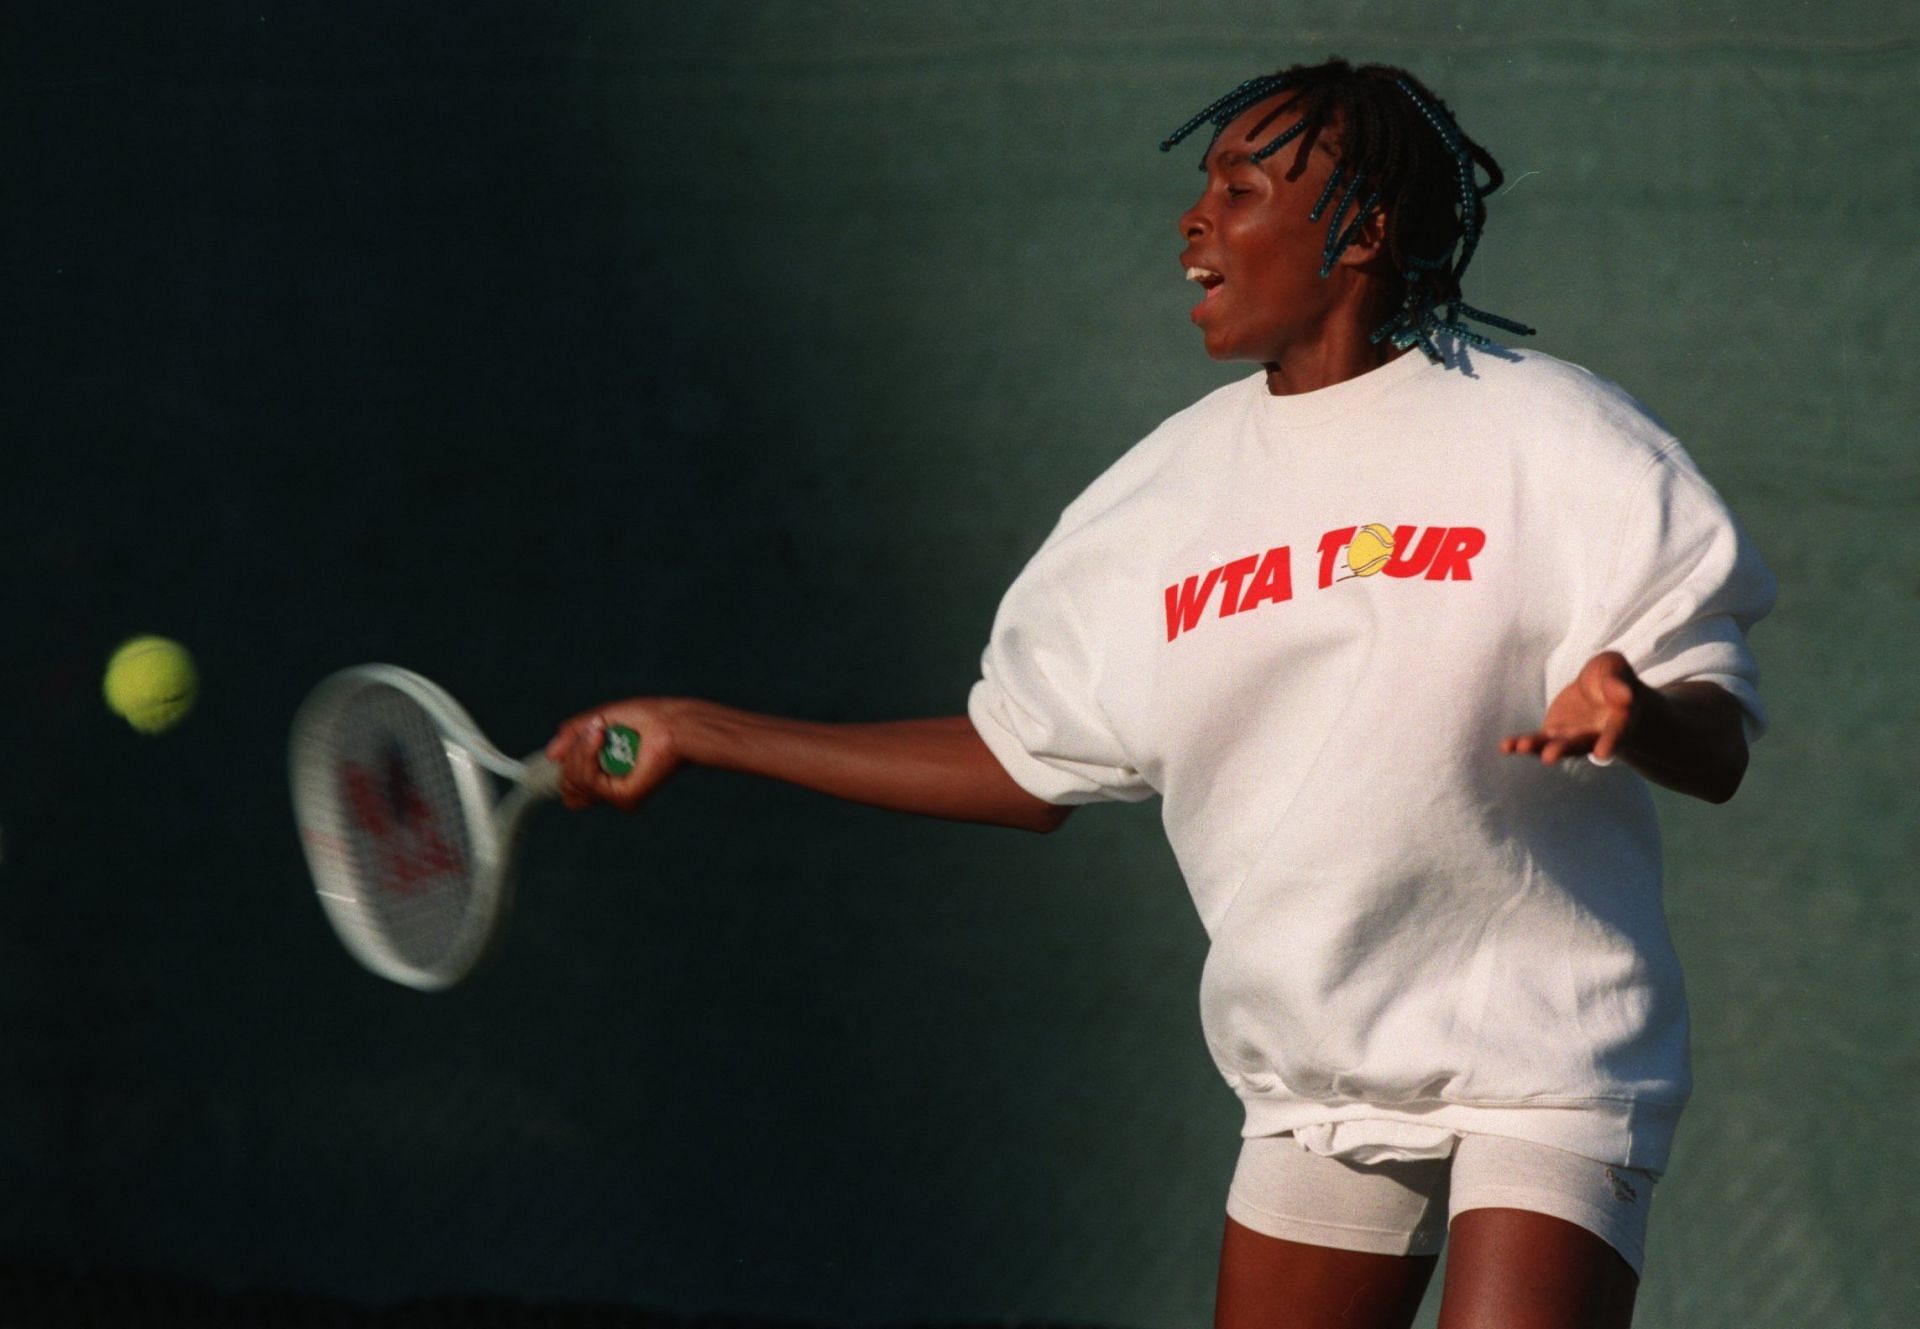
point(1219, 348)
point(1225, 348)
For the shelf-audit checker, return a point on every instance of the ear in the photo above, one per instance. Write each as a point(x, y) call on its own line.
point(1369, 245)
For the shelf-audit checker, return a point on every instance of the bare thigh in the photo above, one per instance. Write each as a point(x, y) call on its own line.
point(1515, 1269)
point(1270, 1283)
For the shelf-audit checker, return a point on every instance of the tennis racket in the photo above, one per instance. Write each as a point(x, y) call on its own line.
point(411, 854)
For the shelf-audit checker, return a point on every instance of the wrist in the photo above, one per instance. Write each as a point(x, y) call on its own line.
point(1651, 713)
point(1689, 737)
point(696, 729)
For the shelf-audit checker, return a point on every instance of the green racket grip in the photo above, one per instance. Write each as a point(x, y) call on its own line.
point(619, 750)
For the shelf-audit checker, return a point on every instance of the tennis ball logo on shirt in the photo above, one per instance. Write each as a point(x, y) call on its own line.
point(1369, 550)
point(1435, 553)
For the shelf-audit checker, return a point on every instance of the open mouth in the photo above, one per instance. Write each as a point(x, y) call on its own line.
point(1210, 281)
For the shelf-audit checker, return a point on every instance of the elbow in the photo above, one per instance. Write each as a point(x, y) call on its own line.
point(1046, 818)
point(1731, 775)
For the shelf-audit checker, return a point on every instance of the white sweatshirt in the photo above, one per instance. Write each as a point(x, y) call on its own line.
point(1306, 622)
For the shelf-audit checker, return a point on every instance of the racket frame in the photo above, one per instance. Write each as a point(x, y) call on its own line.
point(493, 825)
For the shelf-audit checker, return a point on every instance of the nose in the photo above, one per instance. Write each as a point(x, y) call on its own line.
point(1193, 222)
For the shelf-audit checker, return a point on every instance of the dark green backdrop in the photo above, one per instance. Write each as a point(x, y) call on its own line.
point(567, 351)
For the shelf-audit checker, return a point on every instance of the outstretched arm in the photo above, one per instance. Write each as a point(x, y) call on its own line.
point(937, 768)
point(1687, 736)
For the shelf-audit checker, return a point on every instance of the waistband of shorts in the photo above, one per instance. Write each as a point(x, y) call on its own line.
point(1629, 1132)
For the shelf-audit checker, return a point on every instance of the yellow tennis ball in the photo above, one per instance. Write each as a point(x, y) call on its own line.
point(151, 683)
point(1367, 554)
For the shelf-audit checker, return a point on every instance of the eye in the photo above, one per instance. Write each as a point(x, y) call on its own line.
point(1235, 191)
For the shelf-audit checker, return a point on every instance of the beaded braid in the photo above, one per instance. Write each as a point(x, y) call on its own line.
point(1403, 169)
point(1223, 111)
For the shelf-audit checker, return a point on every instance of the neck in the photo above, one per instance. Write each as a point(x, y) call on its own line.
point(1311, 368)
point(1340, 346)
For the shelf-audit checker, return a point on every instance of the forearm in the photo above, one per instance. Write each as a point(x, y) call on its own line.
point(936, 768)
point(1688, 737)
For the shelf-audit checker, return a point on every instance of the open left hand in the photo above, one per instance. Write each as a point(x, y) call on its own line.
point(1591, 715)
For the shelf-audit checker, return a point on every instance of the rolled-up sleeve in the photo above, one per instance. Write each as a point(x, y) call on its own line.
point(1687, 586)
point(1035, 704)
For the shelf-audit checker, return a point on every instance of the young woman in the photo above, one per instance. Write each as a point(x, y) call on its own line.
point(1318, 613)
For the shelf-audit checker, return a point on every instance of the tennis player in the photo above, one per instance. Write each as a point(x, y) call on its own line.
point(1398, 627)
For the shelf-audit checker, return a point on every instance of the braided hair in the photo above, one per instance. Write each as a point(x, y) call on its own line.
point(1400, 150)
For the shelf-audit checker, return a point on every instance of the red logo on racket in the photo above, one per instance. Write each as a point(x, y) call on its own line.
point(389, 808)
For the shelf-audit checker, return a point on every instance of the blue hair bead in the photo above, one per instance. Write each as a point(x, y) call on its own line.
point(1351, 234)
point(1168, 143)
point(1298, 128)
point(1249, 92)
point(1340, 208)
point(1321, 205)
point(1494, 320)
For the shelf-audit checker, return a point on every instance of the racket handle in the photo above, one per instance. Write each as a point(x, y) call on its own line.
point(619, 749)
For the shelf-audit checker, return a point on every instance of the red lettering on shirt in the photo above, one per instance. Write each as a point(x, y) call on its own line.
point(1441, 553)
point(1409, 559)
point(1330, 546)
point(1235, 573)
point(1186, 600)
point(1463, 542)
point(1274, 581)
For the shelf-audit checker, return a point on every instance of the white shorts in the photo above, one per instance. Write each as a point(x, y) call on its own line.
point(1403, 1208)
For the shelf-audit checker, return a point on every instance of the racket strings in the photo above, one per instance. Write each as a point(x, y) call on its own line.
point(405, 864)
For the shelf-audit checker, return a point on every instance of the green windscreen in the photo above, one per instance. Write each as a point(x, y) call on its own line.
point(564, 352)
